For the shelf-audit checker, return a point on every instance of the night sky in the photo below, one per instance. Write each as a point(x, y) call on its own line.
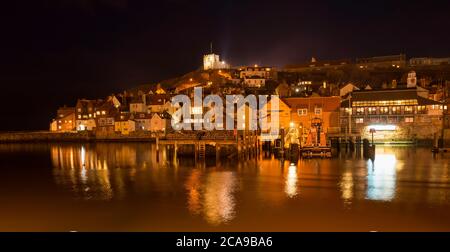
point(53, 52)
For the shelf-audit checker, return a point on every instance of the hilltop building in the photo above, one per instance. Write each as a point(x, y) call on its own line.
point(427, 61)
point(391, 61)
point(255, 76)
point(317, 65)
point(212, 61)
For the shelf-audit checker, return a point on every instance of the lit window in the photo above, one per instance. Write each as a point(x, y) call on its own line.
point(359, 120)
point(302, 112)
point(409, 119)
point(318, 111)
point(372, 110)
point(396, 110)
point(384, 110)
point(421, 109)
point(98, 112)
point(409, 109)
point(360, 111)
point(79, 116)
point(103, 112)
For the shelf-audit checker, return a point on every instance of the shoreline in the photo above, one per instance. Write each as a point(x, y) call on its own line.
point(48, 136)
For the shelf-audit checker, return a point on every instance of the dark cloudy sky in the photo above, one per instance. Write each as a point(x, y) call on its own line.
point(54, 51)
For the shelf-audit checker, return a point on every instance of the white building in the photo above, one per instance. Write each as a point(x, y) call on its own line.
point(255, 76)
point(212, 61)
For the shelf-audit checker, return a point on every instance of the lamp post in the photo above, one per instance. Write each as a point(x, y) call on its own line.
point(372, 131)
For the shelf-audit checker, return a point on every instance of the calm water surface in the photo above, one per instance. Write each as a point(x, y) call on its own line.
point(122, 187)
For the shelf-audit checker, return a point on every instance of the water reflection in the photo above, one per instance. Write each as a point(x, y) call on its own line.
point(225, 194)
point(291, 181)
point(212, 195)
point(90, 171)
point(381, 176)
point(347, 185)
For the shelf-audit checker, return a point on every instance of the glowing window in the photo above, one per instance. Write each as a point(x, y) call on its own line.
point(302, 112)
point(318, 111)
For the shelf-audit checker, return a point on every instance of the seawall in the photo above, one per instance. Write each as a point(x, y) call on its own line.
point(47, 136)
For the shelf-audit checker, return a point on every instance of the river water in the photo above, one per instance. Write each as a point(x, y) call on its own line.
point(124, 187)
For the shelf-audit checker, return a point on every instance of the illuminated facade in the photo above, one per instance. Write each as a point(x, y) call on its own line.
point(212, 61)
point(65, 120)
point(398, 114)
point(304, 110)
point(255, 76)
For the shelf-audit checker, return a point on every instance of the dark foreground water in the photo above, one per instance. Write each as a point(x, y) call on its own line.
point(122, 187)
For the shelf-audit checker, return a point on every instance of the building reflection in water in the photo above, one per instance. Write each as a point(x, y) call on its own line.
point(89, 171)
point(82, 172)
point(347, 186)
point(381, 177)
point(291, 181)
point(212, 194)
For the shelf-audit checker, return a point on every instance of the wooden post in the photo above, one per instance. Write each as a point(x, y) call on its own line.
point(217, 153)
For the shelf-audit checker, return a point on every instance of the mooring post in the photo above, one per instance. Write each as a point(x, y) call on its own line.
point(217, 153)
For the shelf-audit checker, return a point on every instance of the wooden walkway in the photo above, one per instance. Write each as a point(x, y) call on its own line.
point(246, 143)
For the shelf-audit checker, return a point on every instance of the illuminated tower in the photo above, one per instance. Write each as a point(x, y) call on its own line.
point(212, 61)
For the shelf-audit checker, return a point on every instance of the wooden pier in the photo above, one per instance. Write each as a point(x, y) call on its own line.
point(246, 143)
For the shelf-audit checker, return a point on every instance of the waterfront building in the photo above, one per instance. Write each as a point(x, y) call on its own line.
point(142, 121)
point(65, 120)
point(305, 109)
point(105, 114)
point(85, 114)
point(396, 114)
point(160, 122)
point(124, 124)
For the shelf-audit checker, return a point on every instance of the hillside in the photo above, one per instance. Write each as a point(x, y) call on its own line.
point(188, 80)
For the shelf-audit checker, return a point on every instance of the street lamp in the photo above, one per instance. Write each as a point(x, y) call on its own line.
point(372, 131)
